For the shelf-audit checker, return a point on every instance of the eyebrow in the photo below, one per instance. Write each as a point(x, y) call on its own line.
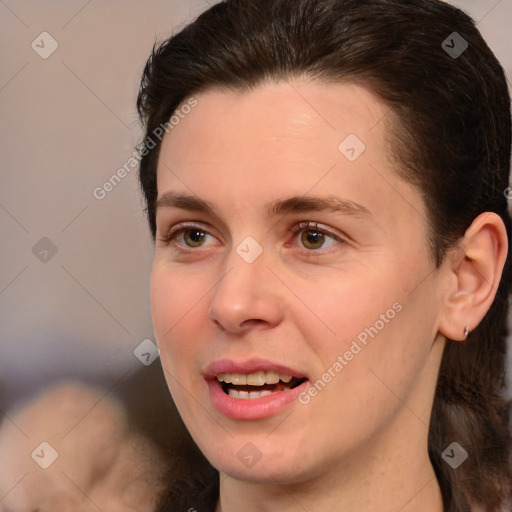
point(295, 204)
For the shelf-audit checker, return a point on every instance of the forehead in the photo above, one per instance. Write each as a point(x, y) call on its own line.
point(283, 139)
point(263, 122)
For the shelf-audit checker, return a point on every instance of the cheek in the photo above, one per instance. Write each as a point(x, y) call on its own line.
point(177, 301)
point(365, 328)
point(384, 336)
point(178, 309)
point(332, 313)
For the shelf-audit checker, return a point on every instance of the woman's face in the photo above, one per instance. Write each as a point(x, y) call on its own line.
point(295, 252)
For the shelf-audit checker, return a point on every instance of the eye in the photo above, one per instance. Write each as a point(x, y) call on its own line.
point(187, 236)
point(313, 238)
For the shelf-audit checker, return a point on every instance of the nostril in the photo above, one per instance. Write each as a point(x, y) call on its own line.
point(252, 322)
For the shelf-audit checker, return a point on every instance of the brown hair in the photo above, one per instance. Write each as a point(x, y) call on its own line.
point(451, 138)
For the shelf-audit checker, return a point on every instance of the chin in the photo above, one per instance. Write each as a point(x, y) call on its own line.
point(257, 459)
point(264, 473)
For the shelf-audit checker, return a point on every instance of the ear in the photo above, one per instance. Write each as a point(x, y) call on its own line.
point(474, 271)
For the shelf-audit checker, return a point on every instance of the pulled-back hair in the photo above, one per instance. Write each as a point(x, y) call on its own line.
point(450, 136)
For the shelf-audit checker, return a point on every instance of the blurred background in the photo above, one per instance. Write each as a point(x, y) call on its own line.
point(75, 263)
point(73, 268)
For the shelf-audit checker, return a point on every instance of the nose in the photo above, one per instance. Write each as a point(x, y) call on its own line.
point(246, 297)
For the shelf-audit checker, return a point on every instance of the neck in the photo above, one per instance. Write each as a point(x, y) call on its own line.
point(383, 486)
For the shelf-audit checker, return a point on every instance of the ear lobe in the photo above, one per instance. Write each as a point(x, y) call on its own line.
point(475, 267)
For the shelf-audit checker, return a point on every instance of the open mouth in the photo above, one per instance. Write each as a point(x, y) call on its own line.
point(256, 385)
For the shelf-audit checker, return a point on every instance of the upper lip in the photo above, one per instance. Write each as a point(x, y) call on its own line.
point(249, 366)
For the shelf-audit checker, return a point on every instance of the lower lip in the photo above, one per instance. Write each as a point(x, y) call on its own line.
point(252, 409)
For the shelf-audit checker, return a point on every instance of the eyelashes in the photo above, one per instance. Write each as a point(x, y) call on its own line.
point(188, 236)
point(178, 230)
point(316, 232)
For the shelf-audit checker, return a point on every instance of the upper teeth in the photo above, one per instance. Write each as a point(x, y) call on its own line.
point(253, 379)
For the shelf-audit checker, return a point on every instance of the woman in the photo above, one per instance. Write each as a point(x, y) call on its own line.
point(330, 278)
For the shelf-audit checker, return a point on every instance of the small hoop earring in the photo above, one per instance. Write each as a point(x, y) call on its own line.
point(466, 331)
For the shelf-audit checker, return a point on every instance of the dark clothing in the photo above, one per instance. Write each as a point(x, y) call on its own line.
point(198, 496)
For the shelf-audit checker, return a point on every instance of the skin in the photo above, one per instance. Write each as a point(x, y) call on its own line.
point(360, 443)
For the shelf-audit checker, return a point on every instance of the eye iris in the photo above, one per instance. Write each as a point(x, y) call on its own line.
point(312, 239)
point(193, 237)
